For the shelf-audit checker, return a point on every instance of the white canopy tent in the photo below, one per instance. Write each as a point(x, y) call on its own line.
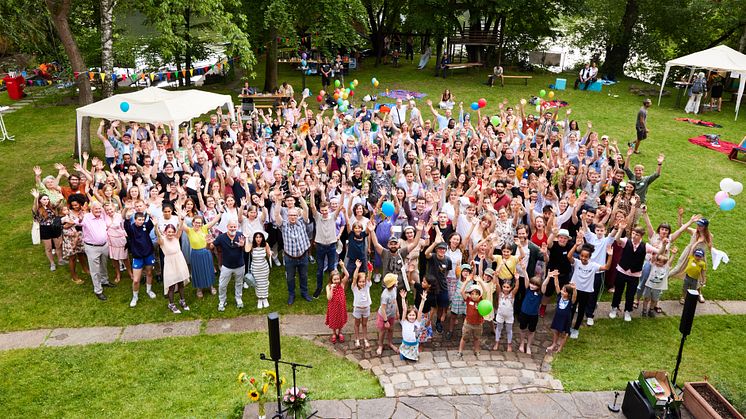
point(719, 58)
point(156, 105)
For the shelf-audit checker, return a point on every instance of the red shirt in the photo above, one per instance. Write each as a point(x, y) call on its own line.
point(472, 314)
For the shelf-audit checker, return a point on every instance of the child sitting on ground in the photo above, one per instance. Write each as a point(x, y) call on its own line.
point(472, 328)
point(562, 316)
point(409, 350)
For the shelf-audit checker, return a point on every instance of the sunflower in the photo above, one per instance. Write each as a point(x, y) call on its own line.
point(265, 387)
point(271, 374)
point(241, 377)
point(254, 395)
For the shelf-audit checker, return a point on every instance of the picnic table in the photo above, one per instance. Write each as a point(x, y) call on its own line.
point(261, 101)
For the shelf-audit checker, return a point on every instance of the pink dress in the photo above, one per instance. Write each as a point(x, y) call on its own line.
point(175, 268)
point(117, 238)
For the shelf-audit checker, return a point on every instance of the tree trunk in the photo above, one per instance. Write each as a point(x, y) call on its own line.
point(107, 44)
point(742, 42)
point(617, 51)
point(501, 40)
point(270, 69)
point(59, 11)
point(188, 45)
point(179, 78)
point(438, 52)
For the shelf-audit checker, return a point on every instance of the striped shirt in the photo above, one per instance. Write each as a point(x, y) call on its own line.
point(295, 238)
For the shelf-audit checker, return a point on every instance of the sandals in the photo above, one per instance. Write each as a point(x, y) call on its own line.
point(635, 305)
point(366, 343)
point(334, 338)
point(379, 351)
point(341, 338)
point(681, 301)
point(658, 310)
point(357, 343)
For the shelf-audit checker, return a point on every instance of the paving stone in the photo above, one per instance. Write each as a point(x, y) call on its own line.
point(528, 374)
point(433, 374)
point(421, 383)
point(406, 368)
point(23, 339)
point(388, 390)
point(474, 389)
point(454, 381)
point(83, 336)
point(471, 411)
point(472, 380)
point(399, 378)
point(403, 386)
point(501, 406)
point(567, 402)
point(458, 364)
point(491, 380)
point(731, 307)
point(432, 407)
point(536, 405)
point(237, 325)
point(502, 372)
point(331, 409)
point(403, 411)
point(160, 330)
point(376, 408)
point(445, 391)
point(508, 379)
point(416, 392)
point(591, 404)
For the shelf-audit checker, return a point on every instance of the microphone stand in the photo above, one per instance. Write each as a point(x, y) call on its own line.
point(294, 366)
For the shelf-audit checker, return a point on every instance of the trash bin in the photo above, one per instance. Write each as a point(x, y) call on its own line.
point(15, 86)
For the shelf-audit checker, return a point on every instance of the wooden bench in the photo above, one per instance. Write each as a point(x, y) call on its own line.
point(525, 78)
point(459, 66)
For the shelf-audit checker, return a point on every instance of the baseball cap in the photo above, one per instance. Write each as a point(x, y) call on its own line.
point(466, 266)
point(703, 222)
point(489, 271)
point(441, 245)
point(699, 253)
point(393, 239)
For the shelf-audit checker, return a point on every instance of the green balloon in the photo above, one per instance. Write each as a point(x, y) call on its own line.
point(484, 307)
point(352, 86)
point(542, 92)
point(336, 83)
point(495, 120)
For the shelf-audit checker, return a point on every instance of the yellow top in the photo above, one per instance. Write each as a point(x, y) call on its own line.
point(506, 271)
point(197, 239)
point(694, 267)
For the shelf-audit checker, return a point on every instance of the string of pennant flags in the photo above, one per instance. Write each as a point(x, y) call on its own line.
point(157, 75)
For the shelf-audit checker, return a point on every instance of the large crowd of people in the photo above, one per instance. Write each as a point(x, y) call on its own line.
point(435, 209)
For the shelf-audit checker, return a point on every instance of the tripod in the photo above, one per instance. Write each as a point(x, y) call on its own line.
point(4, 132)
point(294, 367)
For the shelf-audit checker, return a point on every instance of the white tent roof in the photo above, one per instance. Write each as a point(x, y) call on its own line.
point(719, 58)
point(154, 105)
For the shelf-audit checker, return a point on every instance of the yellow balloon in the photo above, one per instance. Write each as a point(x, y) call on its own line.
point(354, 82)
point(551, 94)
point(375, 84)
point(523, 102)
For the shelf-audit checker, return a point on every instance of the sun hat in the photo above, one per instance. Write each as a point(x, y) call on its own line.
point(389, 280)
point(563, 232)
point(474, 287)
point(466, 266)
point(489, 271)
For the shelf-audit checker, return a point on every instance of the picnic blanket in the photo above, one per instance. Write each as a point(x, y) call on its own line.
point(402, 94)
point(699, 122)
point(707, 141)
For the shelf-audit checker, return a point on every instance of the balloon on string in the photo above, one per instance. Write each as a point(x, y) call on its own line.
point(388, 208)
point(343, 108)
point(124, 106)
point(337, 83)
point(495, 120)
point(523, 102)
point(303, 63)
point(727, 204)
point(482, 102)
point(484, 307)
point(340, 101)
point(733, 188)
point(551, 94)
point(319, 98)
point(474, 105)
point(542, 92)
point(336, 95)
point(352, 86)
point(352, 93)
point(304, 55)
point(720, 197)
point(725, 184)
point(355, 82)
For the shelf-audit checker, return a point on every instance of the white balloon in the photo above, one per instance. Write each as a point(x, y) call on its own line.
point(735, 188)
point(725, 184)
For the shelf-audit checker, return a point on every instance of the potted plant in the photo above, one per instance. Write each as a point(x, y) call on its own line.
point(262, 390)
point(297, 402)
point(702, 400)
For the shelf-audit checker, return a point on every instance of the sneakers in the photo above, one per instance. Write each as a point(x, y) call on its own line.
point(265, 302)
point(259, 304)
point(239, 304)
point(377, 278)
point(121, 266)
point(174, 309)
point(589, 321)
point(612, 313)
point(245, 286)
point(184, 305)
point(213, 291)
point(133, 303)
point(574, 333)
point(221, 307)
point(439, 326)
point(151, 294)
point(53, 267)
point(311, 259)
point(62, 262)
point(627, 316)
point(275, 260)
point(542, 310)
point(701, 299)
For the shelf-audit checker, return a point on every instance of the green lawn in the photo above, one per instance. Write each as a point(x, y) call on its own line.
point(33, 297)
point(178, 377)
point(614, 352)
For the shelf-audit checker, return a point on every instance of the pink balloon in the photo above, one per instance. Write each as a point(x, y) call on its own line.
point(720, 197)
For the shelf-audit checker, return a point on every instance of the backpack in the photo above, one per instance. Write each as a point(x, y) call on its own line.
point(697, 87)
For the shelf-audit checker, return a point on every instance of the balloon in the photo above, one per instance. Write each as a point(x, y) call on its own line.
point(348, 90)
point(482, 102)
point(343, 108)
point(523, 102)
point(337, 83)
point(352, 93)
point(373, 81)
point(542, 92)
point(388, 208)
point(725, 184)
point(304, 55)
point(538, 107)
point(474, 105)
point(352, 85)
point(727, 204)
point(340, 101)
point(303, 63)
point(735, 188)
point(551, 94)
point(345, 95)
point(347, 102)
point(355, 82)
point(336, 95)
point(124, 106)
point(720, 197)
point(495, 120)
point(484, 307)
point(319, 98)
point(384, 109)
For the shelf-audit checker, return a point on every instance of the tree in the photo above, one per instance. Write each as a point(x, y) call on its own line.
point(383, 17)
point(59, 11)
point(25, 30)
point(107, 45)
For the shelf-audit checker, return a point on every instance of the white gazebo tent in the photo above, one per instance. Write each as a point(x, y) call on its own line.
point(719, 58)
point(156, 105)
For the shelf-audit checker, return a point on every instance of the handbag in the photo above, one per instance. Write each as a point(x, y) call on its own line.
point(249, 278)
point(35, 233)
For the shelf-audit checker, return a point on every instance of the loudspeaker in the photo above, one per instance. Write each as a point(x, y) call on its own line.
point(635, 404)
point(273, 324)
point(687, 315)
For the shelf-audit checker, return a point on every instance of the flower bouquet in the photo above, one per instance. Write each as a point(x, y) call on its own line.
point(260, 390)
point(297, 402)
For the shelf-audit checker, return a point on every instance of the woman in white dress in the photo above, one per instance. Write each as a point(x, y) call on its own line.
point(260, 263)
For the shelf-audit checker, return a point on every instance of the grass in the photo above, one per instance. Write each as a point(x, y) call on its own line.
point(35, 298)
point(177, 377)
point(605, 358)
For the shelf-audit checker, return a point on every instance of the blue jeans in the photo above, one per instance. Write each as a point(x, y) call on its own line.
point(301, 266)
point(326, 255)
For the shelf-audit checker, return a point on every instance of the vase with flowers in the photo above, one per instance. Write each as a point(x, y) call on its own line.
point(260, 390)
point(296, 401)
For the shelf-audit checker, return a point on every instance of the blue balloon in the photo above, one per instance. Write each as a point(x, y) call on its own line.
point(303, 63)
point(474, 106)
point(388, 208)
point(124, 106)
point(727, 204)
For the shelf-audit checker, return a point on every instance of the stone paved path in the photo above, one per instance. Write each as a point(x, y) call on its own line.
point(498, 406)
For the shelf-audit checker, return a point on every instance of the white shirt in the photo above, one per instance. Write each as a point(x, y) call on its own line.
point(582, 275)
point(399, 115)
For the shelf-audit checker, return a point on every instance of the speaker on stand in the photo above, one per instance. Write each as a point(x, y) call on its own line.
point(685, 326)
